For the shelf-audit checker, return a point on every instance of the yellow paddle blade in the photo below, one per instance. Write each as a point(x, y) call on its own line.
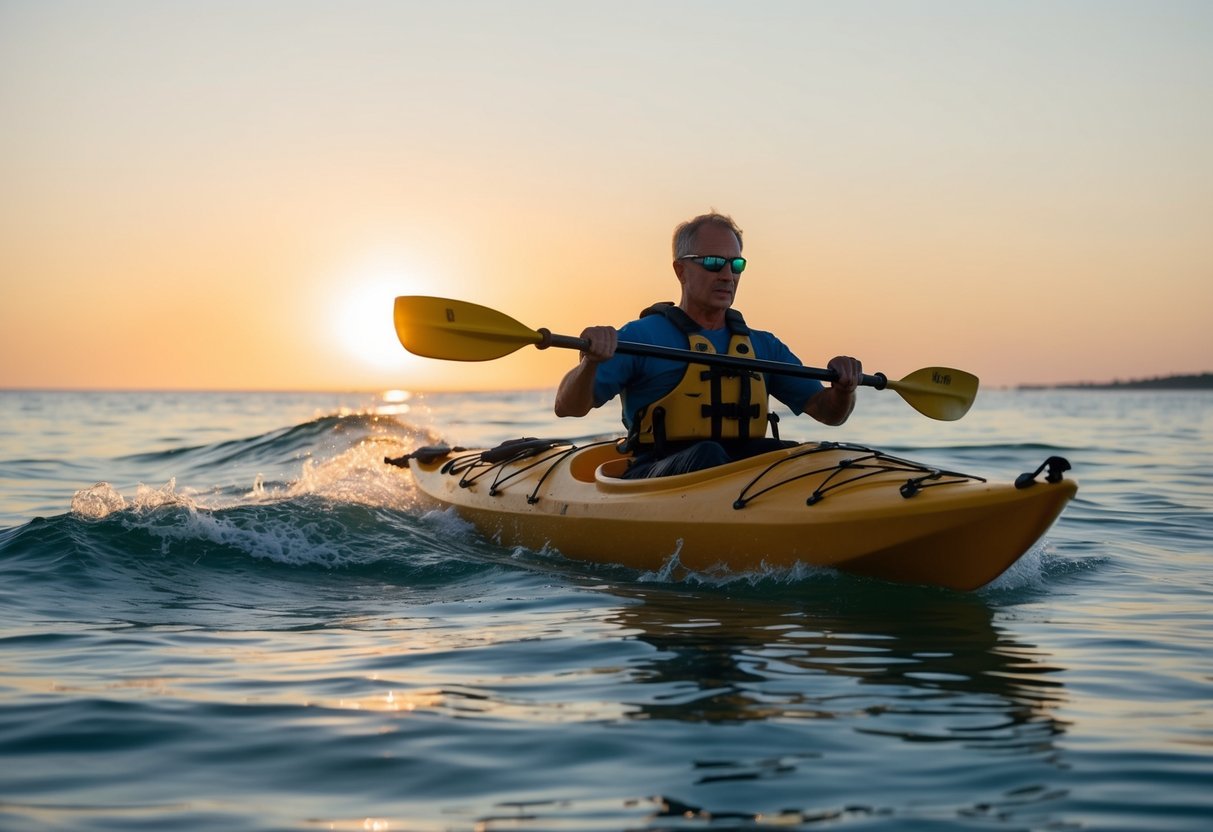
point(938, 392)
point(458, 331)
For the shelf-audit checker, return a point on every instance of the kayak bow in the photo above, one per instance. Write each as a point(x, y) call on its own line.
point(833, 505)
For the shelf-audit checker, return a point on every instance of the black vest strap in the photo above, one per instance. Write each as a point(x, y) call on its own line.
point(659, 434)
point(685, 323)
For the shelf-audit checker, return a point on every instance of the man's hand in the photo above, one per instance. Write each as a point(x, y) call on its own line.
point(850, 373)
point(603, 340)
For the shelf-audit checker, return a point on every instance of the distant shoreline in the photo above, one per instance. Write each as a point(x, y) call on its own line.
point(1202, 381)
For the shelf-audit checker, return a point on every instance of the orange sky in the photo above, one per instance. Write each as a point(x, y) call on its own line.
point(228, 195)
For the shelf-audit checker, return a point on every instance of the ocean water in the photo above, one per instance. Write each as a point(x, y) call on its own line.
point(223, 612)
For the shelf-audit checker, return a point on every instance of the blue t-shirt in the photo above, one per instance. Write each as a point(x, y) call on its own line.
point(643, 380)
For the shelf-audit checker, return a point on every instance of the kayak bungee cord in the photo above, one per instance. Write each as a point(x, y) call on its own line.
point(474, 467)
point(509, 453)
point(502, 463)
point(889, 464)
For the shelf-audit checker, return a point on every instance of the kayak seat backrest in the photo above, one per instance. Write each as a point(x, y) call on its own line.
point(584, 464)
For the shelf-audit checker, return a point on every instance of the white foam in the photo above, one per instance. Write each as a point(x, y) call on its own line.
point(1028, 571)
point(673, 571)
point(102, 500)
point(358, 475)
point(97, 501)
point(149, 499)
point(448, 522)
point(278, 539)
point(669, 571)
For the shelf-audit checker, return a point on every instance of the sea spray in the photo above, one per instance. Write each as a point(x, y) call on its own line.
point(97, 501)
point(359, 475)
point(102, 500)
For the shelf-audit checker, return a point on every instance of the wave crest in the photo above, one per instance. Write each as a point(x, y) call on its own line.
point(102, 500)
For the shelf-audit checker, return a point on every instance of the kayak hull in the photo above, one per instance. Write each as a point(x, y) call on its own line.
point(845, 507)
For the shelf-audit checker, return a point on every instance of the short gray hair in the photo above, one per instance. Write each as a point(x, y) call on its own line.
point(684, 234)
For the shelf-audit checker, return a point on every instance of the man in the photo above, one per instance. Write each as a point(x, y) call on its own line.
point(683, 417)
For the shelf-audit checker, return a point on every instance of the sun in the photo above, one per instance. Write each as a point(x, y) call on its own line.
point(362, 321)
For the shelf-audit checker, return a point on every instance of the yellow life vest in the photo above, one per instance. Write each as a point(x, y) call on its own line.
point(709, 402)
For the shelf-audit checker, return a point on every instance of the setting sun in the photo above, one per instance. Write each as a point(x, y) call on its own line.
point(362, 321)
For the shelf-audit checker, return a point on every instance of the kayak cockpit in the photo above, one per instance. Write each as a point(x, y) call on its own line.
point(602, 460)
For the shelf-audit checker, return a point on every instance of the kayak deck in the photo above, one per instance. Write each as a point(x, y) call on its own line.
point(842, 506)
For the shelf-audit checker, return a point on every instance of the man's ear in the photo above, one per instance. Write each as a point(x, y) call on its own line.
point(679, 268)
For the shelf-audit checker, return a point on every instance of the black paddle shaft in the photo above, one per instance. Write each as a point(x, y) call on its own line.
point(712, 359)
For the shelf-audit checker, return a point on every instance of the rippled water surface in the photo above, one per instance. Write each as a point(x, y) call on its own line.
point(222, 611)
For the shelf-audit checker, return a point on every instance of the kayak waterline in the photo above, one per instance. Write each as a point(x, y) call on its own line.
point(841, 506)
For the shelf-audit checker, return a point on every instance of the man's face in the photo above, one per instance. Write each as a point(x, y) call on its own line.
point(702, 289)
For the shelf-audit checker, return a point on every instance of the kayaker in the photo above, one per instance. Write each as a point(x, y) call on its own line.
point(684, 417)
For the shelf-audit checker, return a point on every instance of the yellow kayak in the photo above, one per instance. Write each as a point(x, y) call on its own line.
point(834, 505)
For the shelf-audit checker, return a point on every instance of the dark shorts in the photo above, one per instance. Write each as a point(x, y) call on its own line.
point(697, 456)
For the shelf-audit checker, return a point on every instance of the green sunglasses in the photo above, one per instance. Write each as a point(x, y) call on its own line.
point(714, 264)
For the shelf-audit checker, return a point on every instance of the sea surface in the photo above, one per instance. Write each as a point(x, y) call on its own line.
point(222, 611)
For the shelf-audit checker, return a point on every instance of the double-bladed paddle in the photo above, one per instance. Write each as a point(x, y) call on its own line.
point(461, 331)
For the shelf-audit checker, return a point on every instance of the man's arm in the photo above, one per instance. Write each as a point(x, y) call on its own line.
point(833, 405)
point(575, 396)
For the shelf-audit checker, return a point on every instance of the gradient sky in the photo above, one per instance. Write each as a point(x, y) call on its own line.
point(227, 195)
